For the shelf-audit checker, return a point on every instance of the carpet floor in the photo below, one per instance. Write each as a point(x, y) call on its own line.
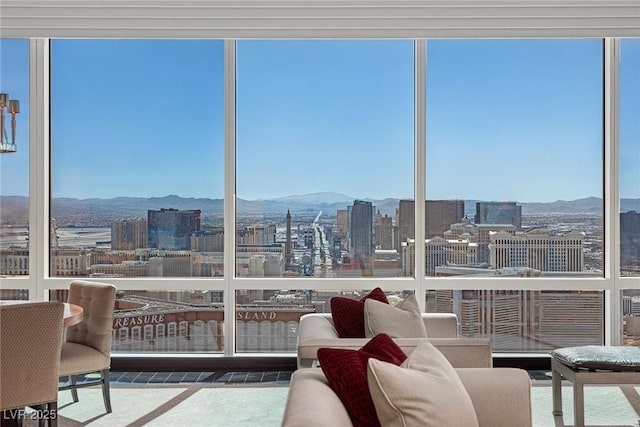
point(262, 405)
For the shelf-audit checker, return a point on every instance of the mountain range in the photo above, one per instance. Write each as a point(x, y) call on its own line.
point(15, 208)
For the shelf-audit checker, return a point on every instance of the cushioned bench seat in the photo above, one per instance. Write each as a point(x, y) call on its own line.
point(596, 357)
point(591, 365)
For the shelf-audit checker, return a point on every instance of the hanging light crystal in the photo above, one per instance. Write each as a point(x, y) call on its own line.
point(13, 107)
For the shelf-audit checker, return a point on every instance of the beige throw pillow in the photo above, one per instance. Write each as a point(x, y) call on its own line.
point(403, 320)
point(431, 395)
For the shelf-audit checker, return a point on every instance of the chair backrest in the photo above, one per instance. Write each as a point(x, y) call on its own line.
point(30, 342)
point(97, 301)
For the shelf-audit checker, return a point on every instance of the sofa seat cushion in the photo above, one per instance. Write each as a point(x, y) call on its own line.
point(346, 371)
point(403, 320)
point(348, 314)
point(424, 390)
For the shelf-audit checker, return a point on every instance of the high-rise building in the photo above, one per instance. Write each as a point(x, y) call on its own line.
point(536, 249)
point(630, 241)
point(406, 220)
point(525, 320)
point(288, 251)
point(171, 228)
point(378, 220)
point(539, 250)
point(479, 234)
point(361, 231)
point(386, 232)
point(260, 260)
point(259, 234)
point(439, 251)
point(129, 234)
point(341, 221)
point(209, 240)
point(14, 261)
point(499, 213)
point(440, 214)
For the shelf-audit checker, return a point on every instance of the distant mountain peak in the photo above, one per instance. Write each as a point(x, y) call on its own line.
point(319, 197)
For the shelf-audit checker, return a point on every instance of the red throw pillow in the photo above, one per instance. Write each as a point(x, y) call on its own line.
point(348, 314)
point(346, 371)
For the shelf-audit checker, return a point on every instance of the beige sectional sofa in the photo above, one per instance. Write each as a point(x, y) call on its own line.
point(316, 330)
point(501, 397)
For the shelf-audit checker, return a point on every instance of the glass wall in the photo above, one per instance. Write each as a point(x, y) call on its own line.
point(630, 157)
point(163, 321)
point(324, 157)
point(514, 158)
point(525, 321)
point(322, 179)
point(137, 137)
point(14, 157)
point(267, 321)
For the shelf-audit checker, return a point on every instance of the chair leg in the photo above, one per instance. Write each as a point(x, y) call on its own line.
point(105, 390)
point(74, 391)
point(12, 417)
point(53, 413)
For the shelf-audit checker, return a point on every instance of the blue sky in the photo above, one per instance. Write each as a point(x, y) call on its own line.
point(506, 120)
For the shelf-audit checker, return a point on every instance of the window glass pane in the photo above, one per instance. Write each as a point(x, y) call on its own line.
point(630, 157)
point(165, 321)
point(14, 294)
point(137, 137)
point(14, 157)
point(631, 317)
point(524, 321)
point(514, 158)
point(324, 155)
point(268, 320)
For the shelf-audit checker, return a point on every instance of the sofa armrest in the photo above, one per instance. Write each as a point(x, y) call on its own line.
point(316, 325)
point(307, 349)
point(312, 403)
point(500, 396)
point(441, 325)
point(461, 352)
point(320, 325)
point(464, 352)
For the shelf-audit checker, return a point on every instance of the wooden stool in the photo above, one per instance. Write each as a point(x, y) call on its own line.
point(591, 365)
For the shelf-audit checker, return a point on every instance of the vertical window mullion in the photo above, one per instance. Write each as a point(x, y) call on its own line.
point(611, 51)
point(420, 87)
point(229, 195)
point(39, 165)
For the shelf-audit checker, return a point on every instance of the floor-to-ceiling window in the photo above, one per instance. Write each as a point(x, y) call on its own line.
point(320, 160)
point(324, 163)
point(514, 186)
point(137, 179)
point(629, 103)
point(14, 163)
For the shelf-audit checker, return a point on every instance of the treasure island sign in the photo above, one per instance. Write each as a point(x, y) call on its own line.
point(123, 319)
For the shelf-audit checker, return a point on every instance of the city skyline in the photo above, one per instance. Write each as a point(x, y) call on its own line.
point(288, 114)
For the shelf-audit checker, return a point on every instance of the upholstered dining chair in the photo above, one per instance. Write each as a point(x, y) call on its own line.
point(87, 345)
point(30, 357)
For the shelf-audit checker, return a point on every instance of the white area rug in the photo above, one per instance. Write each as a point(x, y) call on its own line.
point(604, 406)
point(174, 406)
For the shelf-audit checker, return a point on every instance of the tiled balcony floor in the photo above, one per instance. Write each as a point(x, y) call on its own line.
point(222, 377)
point(228, 377)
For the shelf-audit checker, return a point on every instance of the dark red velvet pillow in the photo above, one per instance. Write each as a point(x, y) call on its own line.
point(346, 371)
point(348, 314)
